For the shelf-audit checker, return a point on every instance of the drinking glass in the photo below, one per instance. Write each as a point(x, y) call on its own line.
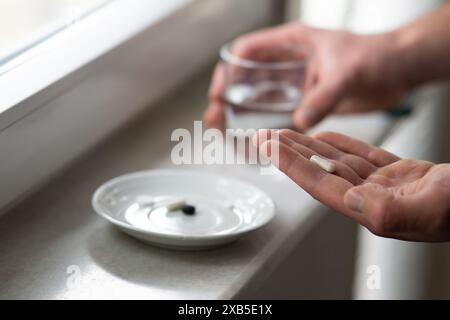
point(263, 92)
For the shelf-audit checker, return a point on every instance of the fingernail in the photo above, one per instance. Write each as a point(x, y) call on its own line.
point(355, 201)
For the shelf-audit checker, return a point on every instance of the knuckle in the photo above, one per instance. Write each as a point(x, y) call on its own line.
point(375, 155)
point(242, 46)
point(294, 26)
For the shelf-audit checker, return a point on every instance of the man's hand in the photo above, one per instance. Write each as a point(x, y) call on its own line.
point(346, 73)
point(403, 199)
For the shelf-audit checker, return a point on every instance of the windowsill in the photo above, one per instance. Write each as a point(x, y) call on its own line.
point(57, 228)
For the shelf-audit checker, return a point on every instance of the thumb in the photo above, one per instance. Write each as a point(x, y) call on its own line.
point(367, 198)
point(382, 210)
point(318, 102)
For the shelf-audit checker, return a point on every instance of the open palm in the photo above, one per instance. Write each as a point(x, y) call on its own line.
point(392, 197)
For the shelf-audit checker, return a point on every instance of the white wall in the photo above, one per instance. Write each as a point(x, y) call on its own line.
point(363, 16)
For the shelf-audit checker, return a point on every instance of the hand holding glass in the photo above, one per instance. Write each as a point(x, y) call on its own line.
point(262, 92)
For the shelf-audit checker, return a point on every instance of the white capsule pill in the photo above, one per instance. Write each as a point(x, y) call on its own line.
point(325, 164)
point(173, 205)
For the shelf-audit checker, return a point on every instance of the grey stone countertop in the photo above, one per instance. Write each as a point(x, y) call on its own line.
point(55, 235)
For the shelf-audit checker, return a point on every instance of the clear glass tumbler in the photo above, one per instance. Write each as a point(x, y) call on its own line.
point(263, 92)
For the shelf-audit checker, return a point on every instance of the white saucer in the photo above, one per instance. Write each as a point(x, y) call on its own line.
point(226, 209)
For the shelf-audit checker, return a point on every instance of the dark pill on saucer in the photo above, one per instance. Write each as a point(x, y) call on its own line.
point(188, 209)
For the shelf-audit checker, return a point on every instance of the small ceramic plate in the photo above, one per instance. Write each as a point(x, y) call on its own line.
point(226, 209)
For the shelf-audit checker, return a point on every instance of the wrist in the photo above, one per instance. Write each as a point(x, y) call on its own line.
point(406, 57)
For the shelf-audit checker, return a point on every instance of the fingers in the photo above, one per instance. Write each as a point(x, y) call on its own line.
point(325, 187)
point(342, 170)
point(217, 83)
point(385, 211)
point(261, 45)
point(354, 105)
point(376, 203)
point(388, 214)
point(376, 156)
point(311, 77)
point(318, 102)
point(359, 165)
point(359, 104)
point(214, 116)
point(411, 207)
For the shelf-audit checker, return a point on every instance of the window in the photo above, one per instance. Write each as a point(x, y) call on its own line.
point(24, 23)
